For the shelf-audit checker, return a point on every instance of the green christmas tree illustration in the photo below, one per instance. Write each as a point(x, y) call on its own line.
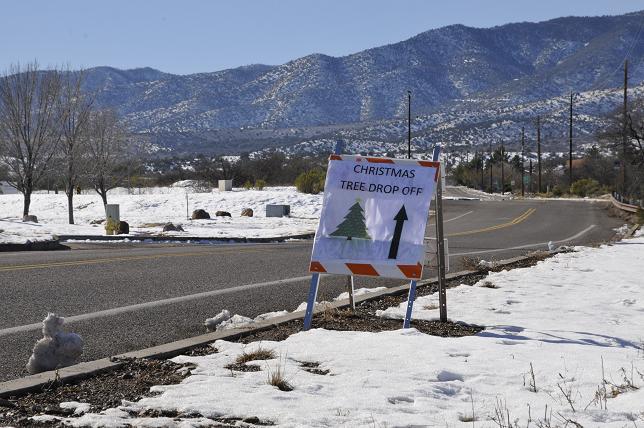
point(353, 225)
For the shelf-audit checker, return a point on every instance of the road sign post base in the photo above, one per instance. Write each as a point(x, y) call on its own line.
point(410, 304)
point(310, 301)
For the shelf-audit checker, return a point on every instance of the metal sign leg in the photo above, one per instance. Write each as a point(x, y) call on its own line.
point(350, 288)
point(410, 303)
point(310, 303)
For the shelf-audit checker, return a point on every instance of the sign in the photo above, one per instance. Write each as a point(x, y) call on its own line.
point(431, 251)
point(373, 218)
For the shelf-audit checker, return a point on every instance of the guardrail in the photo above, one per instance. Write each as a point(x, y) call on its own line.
point(616, 199)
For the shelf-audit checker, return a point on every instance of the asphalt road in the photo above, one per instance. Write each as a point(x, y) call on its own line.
point(124, 297)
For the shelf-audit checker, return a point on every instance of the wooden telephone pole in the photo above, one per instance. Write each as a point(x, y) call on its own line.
point(408, 124)
point(539, 152)
point(491, 187)
point(502, 170)
point(570, 141)
point(522, 165)
point(625, 127)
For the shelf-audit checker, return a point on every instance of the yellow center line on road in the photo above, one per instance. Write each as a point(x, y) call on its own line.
point(119, 259)
point(513, 222)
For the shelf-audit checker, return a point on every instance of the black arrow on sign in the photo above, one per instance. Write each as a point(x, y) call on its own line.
point(395, 241)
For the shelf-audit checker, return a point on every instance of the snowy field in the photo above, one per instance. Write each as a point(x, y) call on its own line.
point(563, 342)
point(148, 211)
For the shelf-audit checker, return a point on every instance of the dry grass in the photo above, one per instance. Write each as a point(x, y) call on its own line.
point(489, 284)
point(432, 306)
point(278, 379)
point(258, 354)
point(471, 263)
point(152, 224)
point(466, 418)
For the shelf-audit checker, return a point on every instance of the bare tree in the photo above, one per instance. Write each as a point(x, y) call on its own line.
point(74, 109)
point(106, 152)
point(629, 150)
point(29, 133)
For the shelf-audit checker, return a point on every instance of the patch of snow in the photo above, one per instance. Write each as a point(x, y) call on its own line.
point(358, 292)
point(574, 320)
point(77, 407)
point(56, 349)
point(146, 213)
point(236, 321)
point(622, 230)
point(212, 323)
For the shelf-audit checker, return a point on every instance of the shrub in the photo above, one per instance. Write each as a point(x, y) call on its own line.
point(258, 354)
point(557, 191)
point(585, 187)
point(248, 185)
point(260, 184)
point(311, 181)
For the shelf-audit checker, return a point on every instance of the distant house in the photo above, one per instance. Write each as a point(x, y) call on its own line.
point(5, 189)
point(578, 163)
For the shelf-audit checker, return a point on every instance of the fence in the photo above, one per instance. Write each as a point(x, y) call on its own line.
point(626, 204)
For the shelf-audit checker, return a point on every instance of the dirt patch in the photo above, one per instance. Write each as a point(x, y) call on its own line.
point(628, 217)
point(243, 367)
point(132, 381)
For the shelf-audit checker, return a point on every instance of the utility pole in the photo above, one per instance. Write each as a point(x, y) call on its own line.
point(570, 141)
point(625, 127)
point(522, 167)
point(502, 171)
point(539, 152)
point(531, 191)
point(482, 170)
point(408, 124)
point(491, 188)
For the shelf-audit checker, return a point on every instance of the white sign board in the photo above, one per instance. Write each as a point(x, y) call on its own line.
point(373, 217)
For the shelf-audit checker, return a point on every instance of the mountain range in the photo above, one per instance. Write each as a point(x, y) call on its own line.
point(454, 73)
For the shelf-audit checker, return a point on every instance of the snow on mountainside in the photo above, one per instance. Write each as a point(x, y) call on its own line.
point(513, 69)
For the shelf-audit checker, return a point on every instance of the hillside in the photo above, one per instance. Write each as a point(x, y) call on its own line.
point(450, 70)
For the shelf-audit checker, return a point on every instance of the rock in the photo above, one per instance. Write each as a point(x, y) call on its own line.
point(98, 221)
point(7, 403)
point(200, 215)
point(247, 212)
point(123, 229)
point(223, 214)
point(169, 227)
point(30, 218)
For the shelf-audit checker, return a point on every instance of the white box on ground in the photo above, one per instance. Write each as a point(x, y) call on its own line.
point(225, 185)
point(112, 212)
point(278, 210)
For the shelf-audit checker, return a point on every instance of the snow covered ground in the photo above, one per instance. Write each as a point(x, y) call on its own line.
point(148, 211)
point(563, 342)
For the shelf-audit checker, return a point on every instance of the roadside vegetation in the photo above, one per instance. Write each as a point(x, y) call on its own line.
point(614, 162)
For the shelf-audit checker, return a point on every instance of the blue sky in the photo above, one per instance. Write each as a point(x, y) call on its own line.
point(189, 36)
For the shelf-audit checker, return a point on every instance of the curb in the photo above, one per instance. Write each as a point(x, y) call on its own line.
point(51, 245)
point(40, 381)
point(157, 238)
